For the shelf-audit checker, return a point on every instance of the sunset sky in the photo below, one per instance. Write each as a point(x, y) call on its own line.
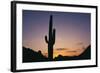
point(72, 31)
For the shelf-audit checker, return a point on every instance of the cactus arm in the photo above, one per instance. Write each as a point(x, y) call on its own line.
point(46, 39)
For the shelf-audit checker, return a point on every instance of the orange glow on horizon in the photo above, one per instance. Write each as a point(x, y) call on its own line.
point(65, 52)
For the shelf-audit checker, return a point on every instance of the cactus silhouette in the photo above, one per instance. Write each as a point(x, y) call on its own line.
point(51, 39)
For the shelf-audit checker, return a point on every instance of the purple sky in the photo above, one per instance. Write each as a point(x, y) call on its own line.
point(72, 29)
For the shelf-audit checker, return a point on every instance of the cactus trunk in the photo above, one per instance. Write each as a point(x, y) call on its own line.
point(51, 40)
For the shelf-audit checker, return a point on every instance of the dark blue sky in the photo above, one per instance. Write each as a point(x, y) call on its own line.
point(71, 29)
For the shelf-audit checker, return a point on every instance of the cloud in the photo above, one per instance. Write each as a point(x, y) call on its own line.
point(61, 48)
point(79, 43)
point(71, 51)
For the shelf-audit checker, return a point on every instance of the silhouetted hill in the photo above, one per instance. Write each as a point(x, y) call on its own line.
point(32, 56)
point(87, 53)
point(61, 58)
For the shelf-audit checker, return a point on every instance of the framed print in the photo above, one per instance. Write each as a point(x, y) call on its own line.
point(47, 36)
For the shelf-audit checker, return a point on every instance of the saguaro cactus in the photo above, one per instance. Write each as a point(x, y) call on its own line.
point(51, 40)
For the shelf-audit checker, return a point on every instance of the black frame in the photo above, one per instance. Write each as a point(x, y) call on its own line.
point(13, 34)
